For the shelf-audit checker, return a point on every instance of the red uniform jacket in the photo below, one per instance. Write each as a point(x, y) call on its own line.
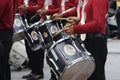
point(56, 6)
point(7, 12)
point(96, 18)
point(70, 3)
point(33, 6)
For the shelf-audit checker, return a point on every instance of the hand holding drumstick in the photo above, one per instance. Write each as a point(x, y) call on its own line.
point(68, 28)
point(64, 29)
point(69, 19)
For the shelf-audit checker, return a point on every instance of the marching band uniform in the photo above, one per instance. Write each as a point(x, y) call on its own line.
point(32, 6)
point(7, 12)
point(56, 7)
point(92, 22)
point(36, 58)
point(50, 7)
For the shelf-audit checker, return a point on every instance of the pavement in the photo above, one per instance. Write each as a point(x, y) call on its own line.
point(111, 68)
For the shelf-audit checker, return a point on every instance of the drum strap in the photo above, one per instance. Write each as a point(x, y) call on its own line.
point(63, 4)
point(82, 21)
point(47, 3)
point(26, 2)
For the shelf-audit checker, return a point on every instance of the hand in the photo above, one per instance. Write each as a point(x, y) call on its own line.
point(23, 8)
point(68, 28)
point(57, 15)
point(73, 19)
point(42, 11)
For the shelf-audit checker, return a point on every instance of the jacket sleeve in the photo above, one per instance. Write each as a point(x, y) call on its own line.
point(19, 2)
point(96, 23)
point(2, 7)
point(69, 4)
point(34, 6)
point(71, 13)
point(54, 7)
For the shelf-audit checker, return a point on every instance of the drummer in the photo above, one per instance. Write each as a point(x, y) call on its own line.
point(55, 7)
point(92, 22)
point(50, 7)
point(28, 8)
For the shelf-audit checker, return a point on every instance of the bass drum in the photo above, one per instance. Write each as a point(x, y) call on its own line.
point(69, 60)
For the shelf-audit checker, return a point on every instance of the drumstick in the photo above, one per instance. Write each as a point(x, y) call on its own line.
point(61, 30)
point(60, 19)
point(34, 16)
point(58, 32)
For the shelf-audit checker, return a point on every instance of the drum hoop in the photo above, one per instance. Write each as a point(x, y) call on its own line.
point(18, 14)
point(46, 21)
point(34, 24)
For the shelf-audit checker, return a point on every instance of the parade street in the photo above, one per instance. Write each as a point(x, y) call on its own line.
point(112, 64)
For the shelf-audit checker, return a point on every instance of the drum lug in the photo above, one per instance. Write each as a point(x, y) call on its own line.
point(54, 64)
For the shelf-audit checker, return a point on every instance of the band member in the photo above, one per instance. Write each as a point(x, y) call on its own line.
point(55, 7)
point(36, 58)
point(7, 13)
point(50, 7)
point(92, 20)
point(69, 6)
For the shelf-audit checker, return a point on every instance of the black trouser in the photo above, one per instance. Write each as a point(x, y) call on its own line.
point(97, 46)
point(5, 47)
point(36, 59)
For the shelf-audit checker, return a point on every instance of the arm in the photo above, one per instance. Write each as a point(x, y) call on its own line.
point(70, 13)
point(55, 7)
point(96, 23)
point(34, 6)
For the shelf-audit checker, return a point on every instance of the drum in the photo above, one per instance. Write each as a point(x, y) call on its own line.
point(48, 29)
point(18, 56)
point(18, 28)
point(69, 60)
point(33, 37)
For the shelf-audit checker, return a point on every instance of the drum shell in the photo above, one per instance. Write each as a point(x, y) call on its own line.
point(33, 37)
point(68, 66)
point(48, 29)
point(18, 28)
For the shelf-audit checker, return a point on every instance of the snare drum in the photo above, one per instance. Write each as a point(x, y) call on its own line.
point(49, 28)
point(33, 37)
point(18, 28)
point(69, 60)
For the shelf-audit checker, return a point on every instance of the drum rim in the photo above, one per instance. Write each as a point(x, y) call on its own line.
point(45, 22)
point(57, 42)
point(34, 24)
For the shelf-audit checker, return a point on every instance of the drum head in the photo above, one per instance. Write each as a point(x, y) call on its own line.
point(80, 70)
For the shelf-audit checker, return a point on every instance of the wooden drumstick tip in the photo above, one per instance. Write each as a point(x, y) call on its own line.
point(60, 19)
